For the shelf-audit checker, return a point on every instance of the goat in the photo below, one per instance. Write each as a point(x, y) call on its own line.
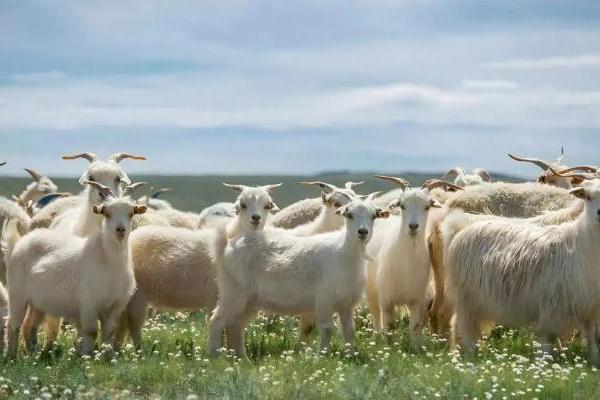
point(282, 273)
point(81, 279)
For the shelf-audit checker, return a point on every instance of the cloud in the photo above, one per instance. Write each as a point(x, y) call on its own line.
point(476, 84)
point(579, 61)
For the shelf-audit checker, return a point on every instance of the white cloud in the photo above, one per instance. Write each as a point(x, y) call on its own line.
point(579, 61)
point(476, 84)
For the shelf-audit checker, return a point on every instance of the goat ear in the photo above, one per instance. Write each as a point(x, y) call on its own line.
point(343, 211)
point(274, 207)
point(580, 193)
point(379, 213)
point(139, 209)
point(435, 204)
point(98, 209)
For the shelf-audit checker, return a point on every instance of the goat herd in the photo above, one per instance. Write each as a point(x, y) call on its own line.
point(459, 252)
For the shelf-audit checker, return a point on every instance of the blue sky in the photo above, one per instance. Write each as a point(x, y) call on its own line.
point(299, 86)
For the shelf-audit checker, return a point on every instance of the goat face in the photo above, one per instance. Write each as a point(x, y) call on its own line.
point(117, 215)
point(253, 205)
point(360, 216)
point(415, 205)
point(107, 173)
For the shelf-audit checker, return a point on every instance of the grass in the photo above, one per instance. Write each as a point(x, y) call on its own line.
point(173, 364)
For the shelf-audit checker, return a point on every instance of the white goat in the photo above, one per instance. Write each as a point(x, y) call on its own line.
point(82, 221)
point(40, 187)
point(304, 211)
point(174, 267)
point(215, 214)
point(81, 279)
point(523, 274)
point(282, 273)
point(460, 178)
point(327, 220)
point(400, 273)
point(520, 200)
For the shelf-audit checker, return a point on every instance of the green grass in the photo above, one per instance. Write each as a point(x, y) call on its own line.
point(173, 364)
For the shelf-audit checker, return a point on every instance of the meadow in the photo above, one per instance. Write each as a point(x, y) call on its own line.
point(173, 361)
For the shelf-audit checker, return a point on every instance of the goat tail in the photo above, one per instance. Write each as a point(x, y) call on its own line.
point(219, 244)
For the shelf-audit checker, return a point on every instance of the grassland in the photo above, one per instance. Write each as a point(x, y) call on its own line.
point(173, 362)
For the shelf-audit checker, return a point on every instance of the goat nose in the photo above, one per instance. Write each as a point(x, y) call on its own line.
point(363, 232)
point(255, 217)
point(120, 229)
point(413, 227)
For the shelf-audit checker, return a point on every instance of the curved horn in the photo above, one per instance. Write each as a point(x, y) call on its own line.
point(403, 183)
point(103, 190)
point(34, 174)
point(2, 163)
point(435, 183)
point(349, 185)
point(129, 189)
point(586, 168)
point(91, 157)
point(452, 174)
point(118, 157)
point(323, 185)
point(540, 163)
point(156, 194)
point(483, 174)
point(576, 176)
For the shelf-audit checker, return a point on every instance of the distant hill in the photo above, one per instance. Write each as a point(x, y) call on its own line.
point(196, 192)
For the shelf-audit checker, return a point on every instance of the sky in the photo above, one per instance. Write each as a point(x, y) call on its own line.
point(293, 87)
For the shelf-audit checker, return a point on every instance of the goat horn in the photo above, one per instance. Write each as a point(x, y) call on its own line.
point(576, 176)
point(103, 190)
point(323, 185)
point(118, 157)
point(34, 174)
point(540, 163)
point(403, 183)
point(587, 168)
point(2, 163)
point(91, 157)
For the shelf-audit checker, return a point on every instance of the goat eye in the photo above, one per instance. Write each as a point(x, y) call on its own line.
point(269, 206)
point(402, 206)
point(91, 178)
point(243, 206)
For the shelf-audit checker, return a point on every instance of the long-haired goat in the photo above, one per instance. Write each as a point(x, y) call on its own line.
point(523, 274)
